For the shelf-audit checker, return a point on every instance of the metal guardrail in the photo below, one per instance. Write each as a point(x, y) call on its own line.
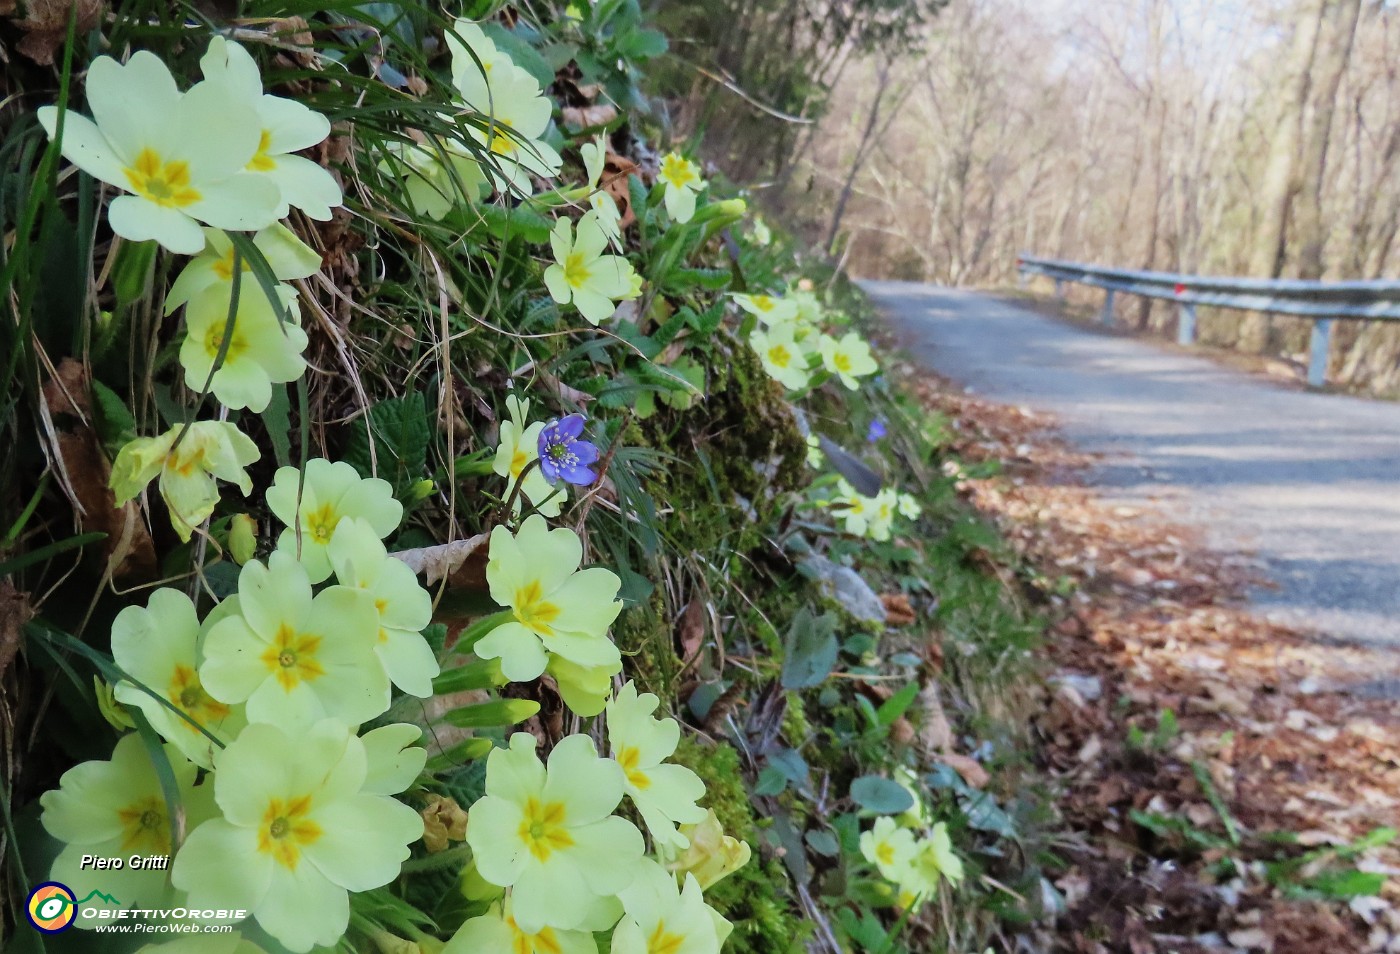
point(1321, 301)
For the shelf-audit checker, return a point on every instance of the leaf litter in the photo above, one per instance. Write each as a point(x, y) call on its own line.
point(1219, 787)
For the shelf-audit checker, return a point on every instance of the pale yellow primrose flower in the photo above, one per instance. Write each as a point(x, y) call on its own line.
point(682, 180)
point(780, 356)
point(558, 608)
point(935, 857)
point(287, 127)
point(496, 930)
point(609, 216)
point(909, 507)
point(465, 39)
point(659, 917)
point(515, 112)
point(889, 848)
point(549, 834)
point(712, 855)
point(329, 492)
point(180, 156)
point(435, 181)
point(293, 658)
point(156, 645)
point(810, 311)
point(117, 809)
point(392, 761)
point(767, 309)
point(864, 516)
point(848, 358)
point(263, 350)
point(916, 816)
point(208, 450)
point(298, 833)
point(664, 795)
point(518, 449)
point(884, 506)
point(581, 273)
point(760, 232)
point(585, 689)
point(288, 256)
point(404, 608)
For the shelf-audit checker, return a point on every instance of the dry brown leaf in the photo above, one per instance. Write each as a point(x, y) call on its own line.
point(690, 635)
point(582, 117)
point(970, 769)
point(15, 611)
point(85, 470)
point(898, 612)
point(451, 561)
point(46, 25)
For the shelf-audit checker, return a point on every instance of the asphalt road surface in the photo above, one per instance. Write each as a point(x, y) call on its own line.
point(1308, 482)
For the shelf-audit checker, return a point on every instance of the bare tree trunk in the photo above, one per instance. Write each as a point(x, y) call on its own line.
point(1331, 62)
point(867, 141)
point(1280, 180)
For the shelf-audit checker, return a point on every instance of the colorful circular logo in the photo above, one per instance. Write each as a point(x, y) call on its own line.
point(51, 907)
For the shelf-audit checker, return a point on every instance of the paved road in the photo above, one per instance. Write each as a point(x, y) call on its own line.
point(1308, 482)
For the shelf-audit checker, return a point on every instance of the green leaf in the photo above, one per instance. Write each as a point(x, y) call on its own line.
point(521, 53)
point(882, 795)
point(277, 418)
point(44, 552)
point(810, 649)
point(400, 430)
point(477, 674)
point(1345, 884)
point(494, 713)
point(823, 843)
point(642, 44)
point(897, 704)
point(771, 781)
point(518, 222)
point(115, 425)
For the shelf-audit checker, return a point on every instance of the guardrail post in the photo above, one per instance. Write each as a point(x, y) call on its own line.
point(1060, 290)
point(1320, 347)
point(1022, 280)
point(1106, 316)
point(1186, 325)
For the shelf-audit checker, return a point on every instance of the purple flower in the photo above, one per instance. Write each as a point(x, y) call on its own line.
point(563, 456)
point(877, 430)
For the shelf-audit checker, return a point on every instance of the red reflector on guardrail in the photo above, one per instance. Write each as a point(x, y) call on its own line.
point(1179, 288)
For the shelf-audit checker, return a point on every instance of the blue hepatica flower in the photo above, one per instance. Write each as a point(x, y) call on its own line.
point(563, 456)
point(877, 430)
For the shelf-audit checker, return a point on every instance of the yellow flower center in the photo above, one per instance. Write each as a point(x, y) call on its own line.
point(261, 161)
point(628, 756)
point(167, 184)
point(145, 827)
point(292, 657)
point(321, 523)
point(884, 852)
point(224, 266)
point(542, 943)
point(842, 361)
point(678, 172)
point(285, 830)
point(856, 506)
point(542, 828)
point(576, 271)
point(663, 942)
point(533, 610)
point(186, 692)
point(502, 144)
point(763, 302)
point(184, 459)
point(518, 460)
point(214, 337)
point(779, 355)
